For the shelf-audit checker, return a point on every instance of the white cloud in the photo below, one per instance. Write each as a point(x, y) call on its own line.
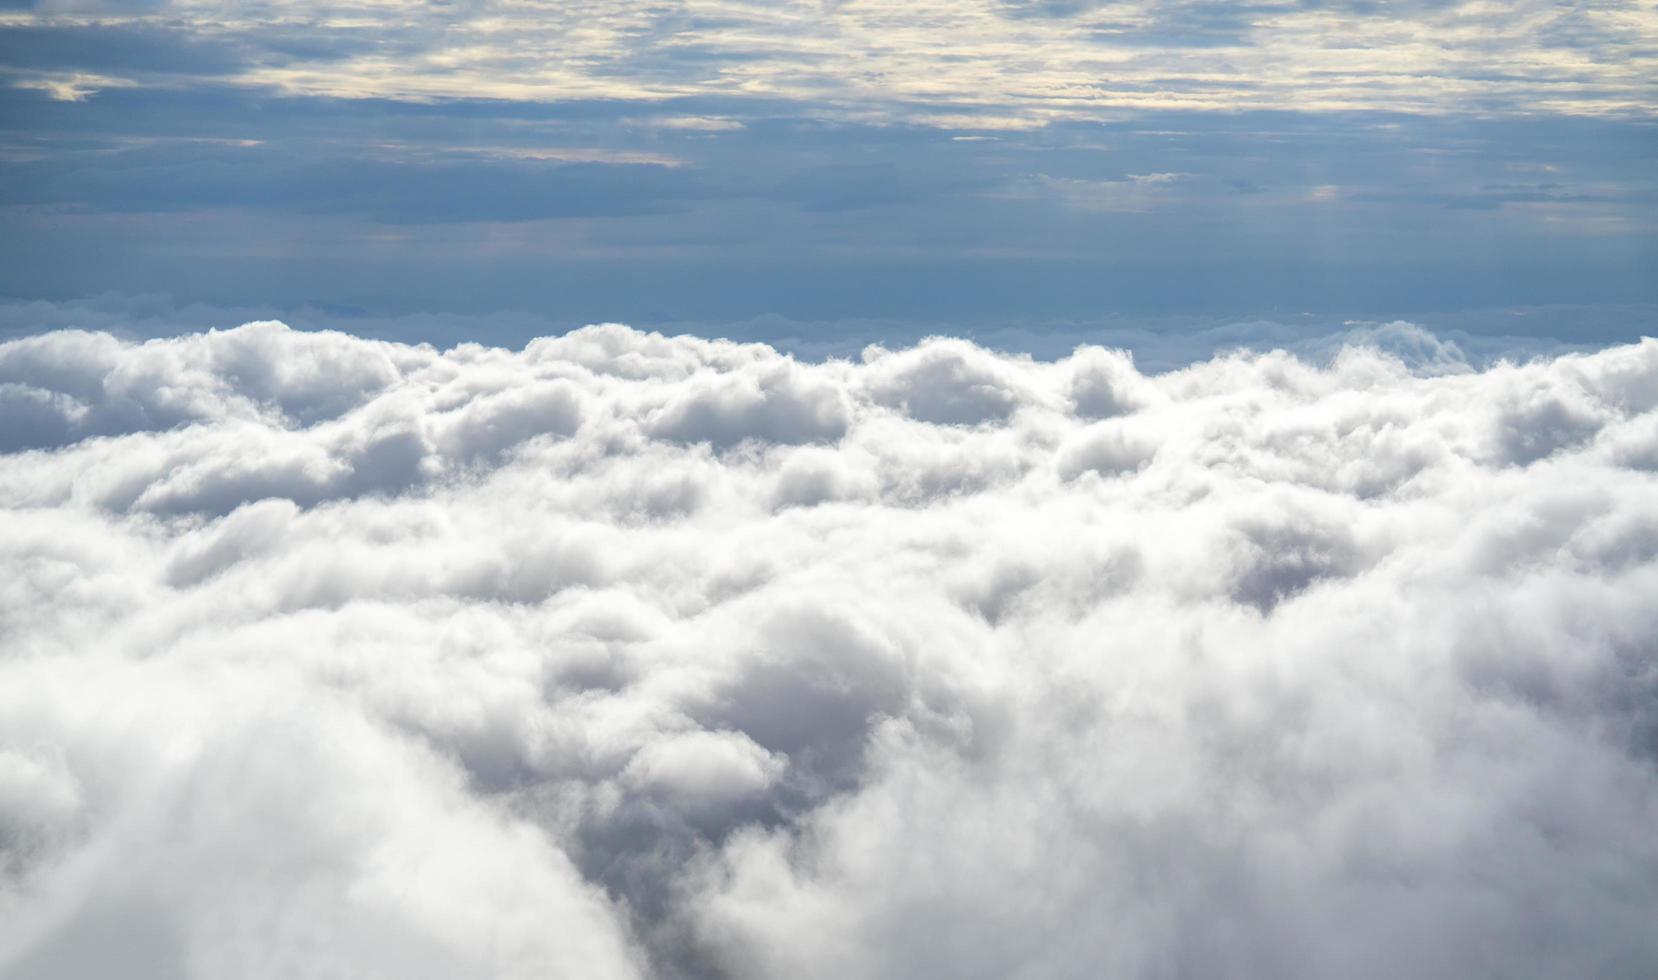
point(625, 655)
point(70, 86)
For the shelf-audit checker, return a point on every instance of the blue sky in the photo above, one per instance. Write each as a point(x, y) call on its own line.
point(817, 163)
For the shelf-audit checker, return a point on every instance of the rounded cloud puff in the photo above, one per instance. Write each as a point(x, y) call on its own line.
point(626, 655)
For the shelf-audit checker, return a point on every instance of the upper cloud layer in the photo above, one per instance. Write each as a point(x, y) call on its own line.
point(994, 63)
point(625, 655)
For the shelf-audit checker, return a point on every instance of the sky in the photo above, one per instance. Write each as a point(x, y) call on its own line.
point(852, 490)
point(814, 170)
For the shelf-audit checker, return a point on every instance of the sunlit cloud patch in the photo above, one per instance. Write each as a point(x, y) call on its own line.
point(623, 655)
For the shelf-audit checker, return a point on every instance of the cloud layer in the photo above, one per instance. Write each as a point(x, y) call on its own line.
point(624, 655)
point(1013, 62)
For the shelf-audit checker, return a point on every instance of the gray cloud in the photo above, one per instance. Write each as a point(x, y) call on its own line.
point(611, 209)
point(627, 655)
point(114, 49)
point(450, 187)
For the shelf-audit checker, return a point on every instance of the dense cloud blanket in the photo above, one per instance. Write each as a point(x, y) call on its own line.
point(626, 656)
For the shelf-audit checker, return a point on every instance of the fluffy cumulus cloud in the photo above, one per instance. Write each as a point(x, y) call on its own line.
point(631, 656)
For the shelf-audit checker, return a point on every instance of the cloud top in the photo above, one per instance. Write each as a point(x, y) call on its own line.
point(627, 655)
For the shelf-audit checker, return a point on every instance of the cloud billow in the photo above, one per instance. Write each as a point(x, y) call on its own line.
point(632, 656)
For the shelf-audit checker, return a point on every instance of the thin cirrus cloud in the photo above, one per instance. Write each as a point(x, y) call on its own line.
point(623, 655)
